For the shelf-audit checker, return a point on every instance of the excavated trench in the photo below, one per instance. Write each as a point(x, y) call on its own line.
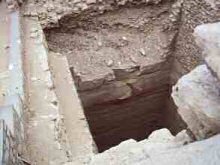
point(121, 64)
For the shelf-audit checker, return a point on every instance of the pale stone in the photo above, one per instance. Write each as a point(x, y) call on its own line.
point(162, 135)
point(197, 97)
point(90, 1)
point(182, 137)
point(153, 153)
point(143, 52)
point(208, 38)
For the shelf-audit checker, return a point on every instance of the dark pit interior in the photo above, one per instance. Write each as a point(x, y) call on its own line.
point(121, 64)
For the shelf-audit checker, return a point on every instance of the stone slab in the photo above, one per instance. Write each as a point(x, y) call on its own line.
point(197, 97)
point(208, 38)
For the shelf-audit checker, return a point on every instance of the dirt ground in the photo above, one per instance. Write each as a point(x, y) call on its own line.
point(122, 39)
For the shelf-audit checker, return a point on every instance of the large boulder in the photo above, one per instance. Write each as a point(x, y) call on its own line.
point(161, 152)
point(197, 94)
point(208, 38)
point(197, 97)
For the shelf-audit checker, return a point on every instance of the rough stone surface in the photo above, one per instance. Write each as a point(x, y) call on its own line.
point(46, 137)
point(197, 98)
point(197, 94)
point(13, 122)
point(161, 152)
point(162, 135)
point(76, 127)
point(208, 38)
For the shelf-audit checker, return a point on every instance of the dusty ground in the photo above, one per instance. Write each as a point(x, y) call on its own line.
point(122, 39)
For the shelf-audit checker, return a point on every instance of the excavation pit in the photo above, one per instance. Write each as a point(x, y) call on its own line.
point(120, 62)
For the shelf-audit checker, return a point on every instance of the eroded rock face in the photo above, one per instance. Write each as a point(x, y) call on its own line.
point(197, 94)
point(208, 38)
point(51, 11)
point(161, 148)
point(197, 97)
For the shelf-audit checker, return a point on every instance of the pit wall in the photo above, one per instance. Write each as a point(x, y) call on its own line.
point(200, 110)
point(137, 100)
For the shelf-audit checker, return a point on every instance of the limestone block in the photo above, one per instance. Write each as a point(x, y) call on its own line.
point(8, 150)
point(183, 137)
point(106, 93)
point(160, 153)
point(208, 38)
point(162, 135)
point(197, 97)
point(17, 103)
point(11, 119)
